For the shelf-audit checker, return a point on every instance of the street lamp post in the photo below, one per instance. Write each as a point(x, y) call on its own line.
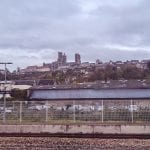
point(5, 64)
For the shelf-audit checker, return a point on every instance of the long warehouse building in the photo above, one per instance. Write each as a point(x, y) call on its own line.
point(88, 94)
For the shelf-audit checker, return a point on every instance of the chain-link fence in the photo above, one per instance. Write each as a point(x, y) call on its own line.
point(92, 111)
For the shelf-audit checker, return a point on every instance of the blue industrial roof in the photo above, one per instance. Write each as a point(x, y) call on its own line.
point(77, 94)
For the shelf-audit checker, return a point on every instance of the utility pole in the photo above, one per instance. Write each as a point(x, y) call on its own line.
point(4, 107)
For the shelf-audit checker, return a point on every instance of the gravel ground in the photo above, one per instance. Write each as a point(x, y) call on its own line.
point(24, 143)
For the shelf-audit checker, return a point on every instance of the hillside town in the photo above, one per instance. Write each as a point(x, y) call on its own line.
point(62, 72)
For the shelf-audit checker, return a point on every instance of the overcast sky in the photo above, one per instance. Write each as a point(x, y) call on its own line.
point(33, 31)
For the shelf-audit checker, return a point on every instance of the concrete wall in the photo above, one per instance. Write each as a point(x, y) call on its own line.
point(84, 129)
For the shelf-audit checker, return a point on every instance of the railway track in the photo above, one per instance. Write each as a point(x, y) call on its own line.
point(59, 135)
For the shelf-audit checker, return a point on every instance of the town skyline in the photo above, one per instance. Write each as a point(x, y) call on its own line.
point(62, 63)
point(71, 58)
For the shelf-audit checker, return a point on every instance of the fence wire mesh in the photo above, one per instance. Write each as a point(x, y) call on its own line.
point(93, 111)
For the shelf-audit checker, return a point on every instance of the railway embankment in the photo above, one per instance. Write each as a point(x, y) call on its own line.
point(76, 129)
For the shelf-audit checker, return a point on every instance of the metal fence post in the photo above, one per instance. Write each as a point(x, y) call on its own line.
point(4, 107)
point(20, 111)
point(46, 111)
point(74, 111)
point(102, 111)
point(4, 115)
point(132, 117)
point(5, 88)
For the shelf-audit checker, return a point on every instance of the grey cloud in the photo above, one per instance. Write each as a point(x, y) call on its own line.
point(40, 28)
point(125, 24)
